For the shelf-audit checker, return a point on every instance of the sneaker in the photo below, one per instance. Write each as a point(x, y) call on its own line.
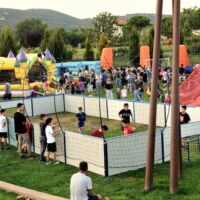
point(56, 163)
point(22, 156)
point(48, 163)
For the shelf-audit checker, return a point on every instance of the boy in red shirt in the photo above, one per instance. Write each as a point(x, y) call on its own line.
point(127, 128)
point(100, 132)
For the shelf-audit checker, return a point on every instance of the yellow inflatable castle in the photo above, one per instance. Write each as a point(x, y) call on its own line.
point(26, 72)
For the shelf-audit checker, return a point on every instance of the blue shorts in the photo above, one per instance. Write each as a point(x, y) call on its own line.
point(94, 197)
point(81, 124)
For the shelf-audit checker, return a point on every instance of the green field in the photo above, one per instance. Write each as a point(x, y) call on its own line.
point(7, 196)
point(127, 186)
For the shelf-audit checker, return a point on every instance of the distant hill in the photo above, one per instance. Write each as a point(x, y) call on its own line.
point(10, 17)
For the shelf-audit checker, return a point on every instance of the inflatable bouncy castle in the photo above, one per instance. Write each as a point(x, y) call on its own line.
point(26, 71)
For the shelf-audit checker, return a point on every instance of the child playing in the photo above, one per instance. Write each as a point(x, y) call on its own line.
point(3, 129)
point(124, 93)
point(81, 116)
point(127, 128)
point(51, 140)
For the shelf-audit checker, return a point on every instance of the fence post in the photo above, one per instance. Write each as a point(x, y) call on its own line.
point(106, 159)
point(162, 146)
point(64, 103)
point(84, 103)
point(32, 108)
point(165, 117)
point(8, 122)
point(134, 111)
point(107, 108)
point(65, 152)
point(33, 137)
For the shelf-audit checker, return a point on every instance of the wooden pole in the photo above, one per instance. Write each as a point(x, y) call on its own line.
point(174, 147)
point(153, 101)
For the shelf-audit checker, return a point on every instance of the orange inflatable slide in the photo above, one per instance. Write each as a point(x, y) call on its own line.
point(145, 56)
point(190, 89)
point(107, 58)
point(183, 58)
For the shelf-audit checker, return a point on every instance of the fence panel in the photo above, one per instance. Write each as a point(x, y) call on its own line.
point(129, 152)
point(81, 147)
point(48, 105)
point(72, 102)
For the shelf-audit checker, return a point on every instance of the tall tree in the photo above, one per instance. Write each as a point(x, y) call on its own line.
point(30, 32)
point(89, 53)
point(134, 47)
point(56, 45)
point(103, 42)
point(151, 41)
point(104, 23)
point(167, 27)
point(45, 40)
point(7, 42)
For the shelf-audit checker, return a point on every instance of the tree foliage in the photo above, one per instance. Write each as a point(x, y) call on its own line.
point(7, 42)
point(30, 32)
point(45, 40)
point(104, 23)
point(134, 47)
point(167, 27)
point(89, 53)
point(103, 42)
point(151, 41)
point(57, 47)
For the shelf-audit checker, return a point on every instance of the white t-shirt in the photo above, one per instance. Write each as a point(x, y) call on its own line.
point(3, 124)
point(49, 135)
point(79, 185)
point(124, 93)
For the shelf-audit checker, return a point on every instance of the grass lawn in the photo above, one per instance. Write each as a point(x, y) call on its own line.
point(7, 196)
point(69, 122)
point(127, 186)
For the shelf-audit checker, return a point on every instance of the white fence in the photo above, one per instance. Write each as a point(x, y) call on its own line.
point(115, 155)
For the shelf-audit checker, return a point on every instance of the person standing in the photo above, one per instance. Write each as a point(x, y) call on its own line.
point(81, 117)
point(81, 185)
point(3, 129)
point(43, 138)
point(126, 114)
point(51, 140)
point(8, 94)
point(20, 129)
point(184, 117)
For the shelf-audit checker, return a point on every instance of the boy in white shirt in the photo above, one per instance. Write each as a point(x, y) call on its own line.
point(3, 129)
point(124, 93)
point(81, 185)
point(51, 140)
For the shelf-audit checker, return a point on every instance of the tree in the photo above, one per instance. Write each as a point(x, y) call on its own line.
point(134, 47)
point(30, 32)
point(104, 23)
point(45, 40)
point(56, 45)
point(89, 54)
point(7, 42)
point(167, 27)
point(139, 22)
point(151, 41)
point(103, 42)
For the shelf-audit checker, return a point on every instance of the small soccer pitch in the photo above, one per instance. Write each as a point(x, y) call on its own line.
point(68, 122)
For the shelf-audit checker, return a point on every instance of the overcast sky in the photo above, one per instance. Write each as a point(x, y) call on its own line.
point(90, 8)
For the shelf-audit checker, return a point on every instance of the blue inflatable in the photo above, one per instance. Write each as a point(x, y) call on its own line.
point(74, 67)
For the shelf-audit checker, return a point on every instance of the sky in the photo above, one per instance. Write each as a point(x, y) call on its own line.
point(90, 8)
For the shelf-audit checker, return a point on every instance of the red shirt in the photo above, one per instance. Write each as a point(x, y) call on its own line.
point(128, 130)
point(97, 133)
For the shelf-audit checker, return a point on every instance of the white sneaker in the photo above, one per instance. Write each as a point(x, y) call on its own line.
point(48, 163)
point(56, 163)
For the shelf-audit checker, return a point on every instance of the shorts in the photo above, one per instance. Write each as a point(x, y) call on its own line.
point(51, 147)
point(93, 197)
point(81, 124)
point(4, 135)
